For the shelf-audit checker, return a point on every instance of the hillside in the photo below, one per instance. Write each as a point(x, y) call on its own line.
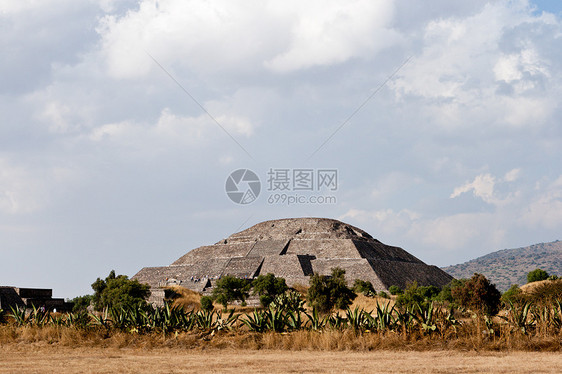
point(510, 266)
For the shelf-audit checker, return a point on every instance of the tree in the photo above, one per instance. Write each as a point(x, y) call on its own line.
point(81, 303)
point(478, 294)
point(537, 275)
point(412, 295)
point(327, 292)
point(229, 289)
point(207, 303)
point(268, 287)
point(364, 287)
point(513, 294)
point(119, 291)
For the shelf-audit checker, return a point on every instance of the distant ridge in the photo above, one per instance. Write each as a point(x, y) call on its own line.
point(510, 266)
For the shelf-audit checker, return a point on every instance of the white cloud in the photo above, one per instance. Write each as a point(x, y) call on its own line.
point(545, 209)
point(482, 186)
point(445, 235)
point(512, 175)
point(482, 70)
point(170, 130)
point(332, 32)
point(25, 189)
point(204, 36)
point(234, 36)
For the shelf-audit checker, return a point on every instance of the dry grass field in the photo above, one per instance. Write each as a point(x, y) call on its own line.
point(49, 359)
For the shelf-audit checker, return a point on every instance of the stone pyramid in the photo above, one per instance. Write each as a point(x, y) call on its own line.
point(295, 249)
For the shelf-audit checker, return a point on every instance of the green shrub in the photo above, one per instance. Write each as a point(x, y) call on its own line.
point(513, 294)
point(81, 303)
point(384, 295)
point(119, 291)
point(445, 294)
point(395, 290)
point(207, 303)
point(411, 296)
point(537, 275)
point(229, 288)
point(327, 292)
point(268, 287)
point(364, 287)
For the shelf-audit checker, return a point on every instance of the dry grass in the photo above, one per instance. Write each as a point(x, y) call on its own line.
point(186, 298)
point(48, 359)
point(370, 303)
point(328, 340)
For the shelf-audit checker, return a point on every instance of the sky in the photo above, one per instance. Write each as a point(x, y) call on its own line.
point(438, 122)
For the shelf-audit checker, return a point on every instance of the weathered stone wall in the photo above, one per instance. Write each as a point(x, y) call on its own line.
point(324, 248)
point(286, 266)
point(242, 267)
point(215, 251)
point(354, 269)
point(268, 248)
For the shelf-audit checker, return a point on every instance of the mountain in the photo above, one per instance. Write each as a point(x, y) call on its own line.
point(510, 266)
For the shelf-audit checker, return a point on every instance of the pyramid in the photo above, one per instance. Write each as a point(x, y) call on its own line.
point(295, 249)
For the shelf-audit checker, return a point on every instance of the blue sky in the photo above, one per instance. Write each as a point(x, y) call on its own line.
point(107, 163)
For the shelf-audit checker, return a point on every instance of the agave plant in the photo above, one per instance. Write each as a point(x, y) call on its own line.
point(557, 315)
point(79, 320)
point(289, 301)
point(317, 322)
point(20, 316)
point(520, 318)
point(205, 320)
point(425, 316)
point(226, 323)
point(294, 320)
point(256, 321)
point(102, 319)
point(384, 317)
point(357, 318)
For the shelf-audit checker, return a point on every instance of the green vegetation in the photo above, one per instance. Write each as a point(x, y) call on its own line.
point(119, 291)
point(395, 290)
point(512, 295)
point(81, 303)
point(268, 287)
point(537, 275)
point(431, 319)
point(327, 292)
point(419, 315)
point(207, 303)
point(364, 287)
point(415, 294)
point(229, 289)
point(384, 295)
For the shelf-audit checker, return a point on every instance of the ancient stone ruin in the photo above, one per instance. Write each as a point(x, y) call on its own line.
point(294, 249)
point(27, 298)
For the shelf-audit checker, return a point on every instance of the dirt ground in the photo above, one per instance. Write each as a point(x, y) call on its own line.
point(34, 359)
